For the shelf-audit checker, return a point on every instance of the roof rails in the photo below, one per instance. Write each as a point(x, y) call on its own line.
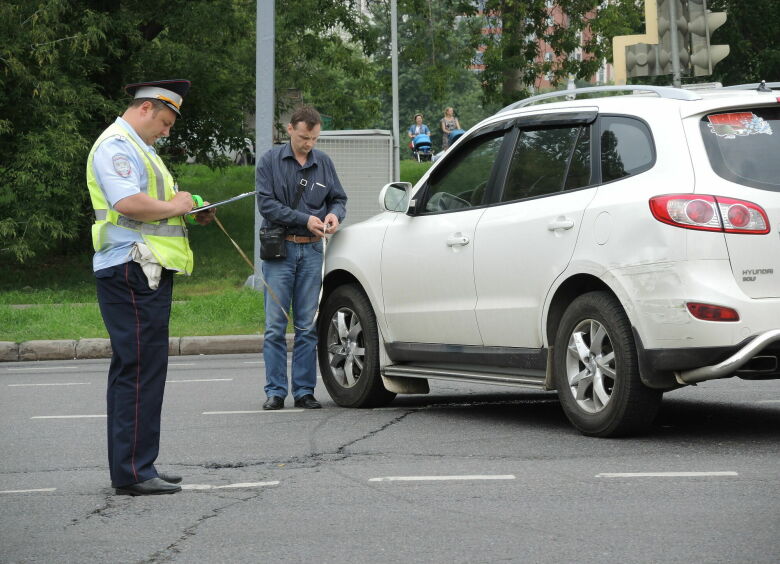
point(661, 91)
point(755, 86)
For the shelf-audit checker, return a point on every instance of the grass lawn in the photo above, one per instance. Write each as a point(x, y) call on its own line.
point(60, 290)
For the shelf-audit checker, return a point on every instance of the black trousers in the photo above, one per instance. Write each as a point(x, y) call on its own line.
point(136, 318)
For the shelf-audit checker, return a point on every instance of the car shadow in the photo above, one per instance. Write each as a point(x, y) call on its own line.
point(678, 418)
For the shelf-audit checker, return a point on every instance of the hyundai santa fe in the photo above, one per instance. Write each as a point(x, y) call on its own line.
point(613, 245)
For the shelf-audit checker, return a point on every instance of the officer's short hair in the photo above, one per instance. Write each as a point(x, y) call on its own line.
point(307, 115)
point(157, 105)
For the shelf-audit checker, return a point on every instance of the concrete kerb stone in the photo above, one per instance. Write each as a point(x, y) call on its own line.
point(47, 350)
point(101, 348)
point(9, 351)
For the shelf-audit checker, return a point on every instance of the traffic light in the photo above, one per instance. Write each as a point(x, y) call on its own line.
point(677, 42)
point(702, 23)
point(673, 44)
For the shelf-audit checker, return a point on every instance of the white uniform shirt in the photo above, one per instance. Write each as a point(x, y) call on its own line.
point(120, 172)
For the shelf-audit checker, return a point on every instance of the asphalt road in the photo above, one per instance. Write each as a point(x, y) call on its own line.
point(465, 474)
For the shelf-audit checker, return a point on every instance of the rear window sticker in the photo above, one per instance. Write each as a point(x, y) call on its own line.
point(738, 124)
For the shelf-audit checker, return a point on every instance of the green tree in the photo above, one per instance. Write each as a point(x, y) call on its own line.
point(751, 30)
point(513, 57)
point(323, 49)
point(63, 65)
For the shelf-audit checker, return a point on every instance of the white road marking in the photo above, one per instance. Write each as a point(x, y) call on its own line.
point(200, 380)
point(181, 364)
point(769, 401)
point(662, 474)
point(36, 368)
point(442, 478)
point(230, 486)
point(27, 491)
point(253, 362)
point(50, 384)
point(67, 416)
point(244, 412)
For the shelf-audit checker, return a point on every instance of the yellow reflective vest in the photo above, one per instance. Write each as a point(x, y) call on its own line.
point(167, 238)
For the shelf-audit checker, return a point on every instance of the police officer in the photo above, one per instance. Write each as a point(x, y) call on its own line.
point(140, 242)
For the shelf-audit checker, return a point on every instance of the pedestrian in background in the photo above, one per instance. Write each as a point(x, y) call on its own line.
point(140, 241)
point(282, 173)
point(448, 123)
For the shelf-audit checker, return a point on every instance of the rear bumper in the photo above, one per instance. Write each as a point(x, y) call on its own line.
point(737, 361)
point(757, 357)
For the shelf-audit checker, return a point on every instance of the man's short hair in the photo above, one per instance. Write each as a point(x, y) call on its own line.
point(157, 105)
point(307, 115)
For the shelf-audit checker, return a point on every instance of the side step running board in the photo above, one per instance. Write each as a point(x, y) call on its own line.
point(460, 375)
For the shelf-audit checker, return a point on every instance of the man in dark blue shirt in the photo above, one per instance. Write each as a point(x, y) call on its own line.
point(296, 279)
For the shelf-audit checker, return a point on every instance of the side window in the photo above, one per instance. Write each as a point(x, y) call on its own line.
point(626, 147)
point(463, 183)
point(580, 169)
point(540, 161)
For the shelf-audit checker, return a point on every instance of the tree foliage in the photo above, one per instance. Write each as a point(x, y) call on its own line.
point(751, 30)
point(63, 66)
point(514, 58)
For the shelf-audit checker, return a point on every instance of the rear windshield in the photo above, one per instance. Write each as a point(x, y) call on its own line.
point(744, 146)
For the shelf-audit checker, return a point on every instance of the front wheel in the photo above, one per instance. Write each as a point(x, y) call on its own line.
point(596, 370)
point(349, 350)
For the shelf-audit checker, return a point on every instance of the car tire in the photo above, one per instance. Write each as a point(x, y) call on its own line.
point(596, 370)
point(349, 350)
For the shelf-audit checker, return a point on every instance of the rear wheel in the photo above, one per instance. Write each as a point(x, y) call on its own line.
point(596, 371)
point(349, 350)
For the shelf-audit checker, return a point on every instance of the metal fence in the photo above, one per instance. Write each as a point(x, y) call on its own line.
point(364, 163)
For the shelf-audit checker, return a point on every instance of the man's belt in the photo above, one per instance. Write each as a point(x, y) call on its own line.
point(301, 239)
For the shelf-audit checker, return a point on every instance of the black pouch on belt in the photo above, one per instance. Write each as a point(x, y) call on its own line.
point(272, 237)
point(272, 242)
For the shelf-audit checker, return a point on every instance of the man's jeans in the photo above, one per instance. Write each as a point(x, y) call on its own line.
point(293, 280)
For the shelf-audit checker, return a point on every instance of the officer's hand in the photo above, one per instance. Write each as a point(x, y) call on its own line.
point(207, 216)
point(182, 203)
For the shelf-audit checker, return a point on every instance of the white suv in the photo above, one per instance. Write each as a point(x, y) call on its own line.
point(612, 248)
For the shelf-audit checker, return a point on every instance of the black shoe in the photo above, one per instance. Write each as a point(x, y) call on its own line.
point(274, 402)
point(154, 486)
point(170, 478)
point(307, 402)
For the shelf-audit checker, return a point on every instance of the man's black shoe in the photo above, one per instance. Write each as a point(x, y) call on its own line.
point(274, 402)
point(154, 486)
point(307, 402)
point(170, 478)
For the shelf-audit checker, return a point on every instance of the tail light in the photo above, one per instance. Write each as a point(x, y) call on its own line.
point(709, 312)
point(710, 213)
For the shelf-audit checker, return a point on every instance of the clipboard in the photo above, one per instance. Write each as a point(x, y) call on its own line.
point(223, 202)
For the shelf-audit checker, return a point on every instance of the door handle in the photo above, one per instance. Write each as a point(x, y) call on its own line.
point(457, 240)
point(560, 223)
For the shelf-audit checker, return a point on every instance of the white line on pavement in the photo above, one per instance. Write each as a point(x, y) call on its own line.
point(181, 364)
point(244, 412)
point(200, 380)
point(229, 486)
point(27, 491)
point(36, 368)
point(442, 478)
point(66, 416)
point(769, 401)
point(662, 474)
point(50, 384)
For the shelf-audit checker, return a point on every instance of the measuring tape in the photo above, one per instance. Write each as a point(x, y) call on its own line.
point(198, 202)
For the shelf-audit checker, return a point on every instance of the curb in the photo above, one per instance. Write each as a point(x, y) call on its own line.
point(101, 348)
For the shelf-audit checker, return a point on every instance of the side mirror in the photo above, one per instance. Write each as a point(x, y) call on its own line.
point(394, 197)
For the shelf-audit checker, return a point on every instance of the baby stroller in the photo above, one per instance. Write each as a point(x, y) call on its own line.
point(421, 147)
point(454, 135)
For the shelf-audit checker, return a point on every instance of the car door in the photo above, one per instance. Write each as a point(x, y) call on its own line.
point(428, 254)
point(526, 242)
